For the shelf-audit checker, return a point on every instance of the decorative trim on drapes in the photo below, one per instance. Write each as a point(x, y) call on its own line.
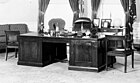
point(75, 8)
point(125, 4)
point(95, 5)
point(43, 4)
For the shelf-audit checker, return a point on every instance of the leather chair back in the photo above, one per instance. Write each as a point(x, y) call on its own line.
point(57, 22)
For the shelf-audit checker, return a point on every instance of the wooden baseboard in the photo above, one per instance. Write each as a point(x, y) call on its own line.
point(91, 69)
point(32, 64)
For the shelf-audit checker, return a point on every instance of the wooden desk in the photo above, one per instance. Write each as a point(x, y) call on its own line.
point(36, 50)
point(85, 53)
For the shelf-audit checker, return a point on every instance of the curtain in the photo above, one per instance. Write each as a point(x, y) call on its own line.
point(95, 5)
point(43, 4)
point(75, 8)
point(125, 4)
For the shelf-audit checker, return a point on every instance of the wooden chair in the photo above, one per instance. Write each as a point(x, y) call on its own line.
point(11, 41)
point(119, 50)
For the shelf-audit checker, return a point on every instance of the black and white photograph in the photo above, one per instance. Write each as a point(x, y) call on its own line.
point(69, 41)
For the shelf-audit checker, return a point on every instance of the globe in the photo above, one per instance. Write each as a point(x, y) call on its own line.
point(117, 23)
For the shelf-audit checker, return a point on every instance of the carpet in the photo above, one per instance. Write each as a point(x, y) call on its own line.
point(58, 72)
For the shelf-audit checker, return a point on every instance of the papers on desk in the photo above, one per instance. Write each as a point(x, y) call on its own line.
point(119, 33)
point(67, 34)
point(108, 33)
point(119, 49)
point(102, 34)
point(86, 37)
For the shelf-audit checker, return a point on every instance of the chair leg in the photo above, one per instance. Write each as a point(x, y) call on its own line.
point(133, 60)
point(125, 68)
point(6, 55)
point(111, 62)
point(15, 53)
point(106, 63)
point(111, 65)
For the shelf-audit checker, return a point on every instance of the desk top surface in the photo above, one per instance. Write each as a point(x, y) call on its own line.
point(35, 34)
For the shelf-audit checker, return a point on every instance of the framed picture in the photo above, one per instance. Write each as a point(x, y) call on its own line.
point(96, 22)
point(106, 23)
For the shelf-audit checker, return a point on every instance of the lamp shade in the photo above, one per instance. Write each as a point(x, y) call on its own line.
point(82, 23)
point(117, 22)
point(82, 19)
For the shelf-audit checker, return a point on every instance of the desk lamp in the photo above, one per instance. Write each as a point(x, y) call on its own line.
point(80, 24)
point(83, 20)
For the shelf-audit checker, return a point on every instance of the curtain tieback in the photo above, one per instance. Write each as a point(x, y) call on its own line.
point(94, 12)
point(75, 12)
point(127, 12)
point(41, 12)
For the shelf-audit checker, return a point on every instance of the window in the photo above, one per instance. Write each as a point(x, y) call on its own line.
point(59, 9)
point(111, 9)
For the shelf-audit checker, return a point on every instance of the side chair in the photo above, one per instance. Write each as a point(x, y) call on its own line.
point(11, 41)
point(123, 50)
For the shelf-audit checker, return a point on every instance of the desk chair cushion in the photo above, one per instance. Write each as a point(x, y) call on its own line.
point(119, 53)
point(13, 44)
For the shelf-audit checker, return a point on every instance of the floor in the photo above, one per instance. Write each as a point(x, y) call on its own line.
point(58, 72)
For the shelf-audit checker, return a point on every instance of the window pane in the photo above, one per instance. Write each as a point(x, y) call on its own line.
point(111, 9)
